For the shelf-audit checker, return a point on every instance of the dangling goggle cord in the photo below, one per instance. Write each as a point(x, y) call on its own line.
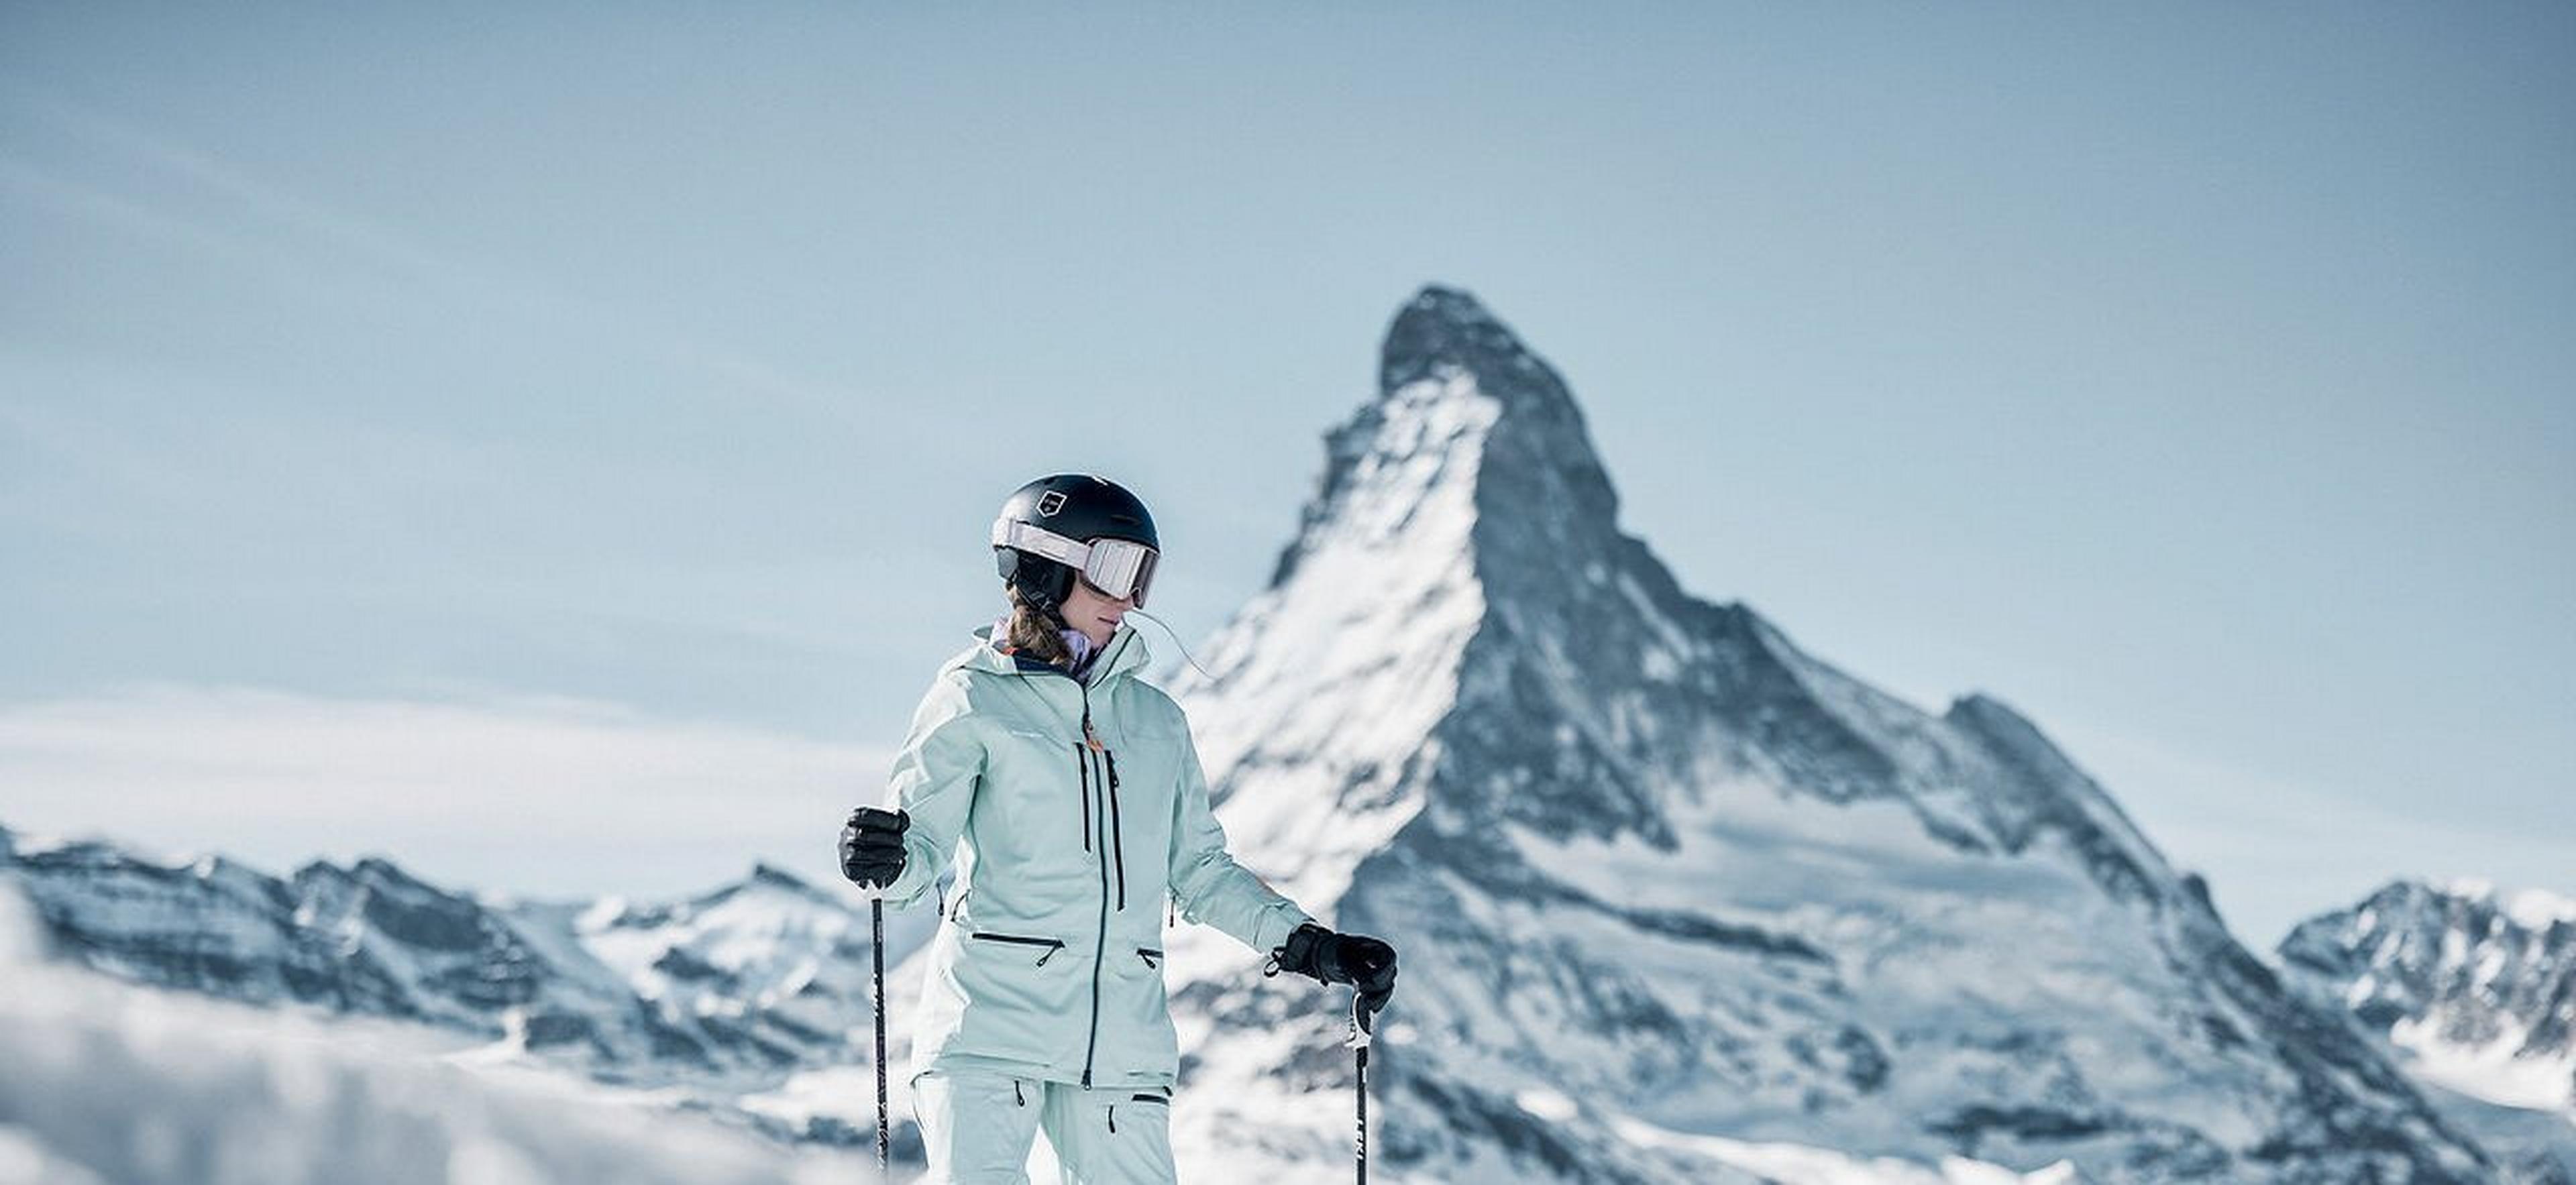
point(1176, 641)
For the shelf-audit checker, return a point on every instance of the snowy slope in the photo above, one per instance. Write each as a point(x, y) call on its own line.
point(718, 1002)
point(1646, 856)
point(108, 1082)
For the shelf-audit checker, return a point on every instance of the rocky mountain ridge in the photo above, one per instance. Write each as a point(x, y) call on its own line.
point(2475, 992)
point(719, 996)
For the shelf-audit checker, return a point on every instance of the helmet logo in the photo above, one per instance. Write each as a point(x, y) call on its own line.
point(1050, 502)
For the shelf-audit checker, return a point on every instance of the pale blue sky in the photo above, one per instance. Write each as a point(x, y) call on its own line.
point(2201, 380)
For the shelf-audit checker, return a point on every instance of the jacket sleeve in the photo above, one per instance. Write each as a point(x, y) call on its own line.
point(934, 781)
point(1207, 884)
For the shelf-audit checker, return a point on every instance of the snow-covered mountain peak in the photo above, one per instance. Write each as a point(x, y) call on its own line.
point(1469, 472)
point(1443, 332)
point(1538, 475)
point(1467, 424)
point(2492, 968)
point(1736, 889)
point(1443, 324)
point(767, 878)
point(1458, 578)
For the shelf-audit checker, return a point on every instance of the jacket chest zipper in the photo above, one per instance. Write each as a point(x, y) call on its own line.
point(1082, 769)
point(1104, 783)
point(1117, 830)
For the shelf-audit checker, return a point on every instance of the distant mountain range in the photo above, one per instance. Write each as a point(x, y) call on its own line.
point(2476, 991)
point(1678, 901)
point(719, 997)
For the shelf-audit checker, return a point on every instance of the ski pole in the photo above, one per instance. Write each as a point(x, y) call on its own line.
point(1359, 1044)
point(876, 918)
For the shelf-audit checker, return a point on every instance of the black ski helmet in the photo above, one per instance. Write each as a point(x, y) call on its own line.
point(1077, 506)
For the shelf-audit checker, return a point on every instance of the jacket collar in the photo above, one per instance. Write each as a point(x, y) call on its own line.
point(1123, 655)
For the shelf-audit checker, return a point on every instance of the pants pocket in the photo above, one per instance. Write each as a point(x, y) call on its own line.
point(1111, 1137)
point(975, 1128)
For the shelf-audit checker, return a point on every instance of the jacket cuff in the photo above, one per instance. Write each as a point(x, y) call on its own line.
point(916, 878)
point(1273, 926)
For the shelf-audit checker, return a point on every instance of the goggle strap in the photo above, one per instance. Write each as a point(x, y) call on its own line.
point(1031, 538)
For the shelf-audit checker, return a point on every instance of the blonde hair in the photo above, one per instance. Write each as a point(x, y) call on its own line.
point(1033, 634)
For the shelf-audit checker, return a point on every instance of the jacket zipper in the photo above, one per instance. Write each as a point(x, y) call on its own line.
point(1083, 768)
point(1153, 958)
point(1105, 785)
point(1052, 944)
point(1117, 830)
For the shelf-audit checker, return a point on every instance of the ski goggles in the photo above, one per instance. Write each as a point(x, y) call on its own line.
point(1117, 567)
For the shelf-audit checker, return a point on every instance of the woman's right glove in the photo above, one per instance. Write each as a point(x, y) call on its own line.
point(1365, 963)
point(872, 846)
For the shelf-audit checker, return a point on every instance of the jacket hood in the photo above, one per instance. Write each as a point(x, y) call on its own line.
point(1123, 655)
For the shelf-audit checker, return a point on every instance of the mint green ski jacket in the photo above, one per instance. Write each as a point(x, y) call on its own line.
point(1071, 811)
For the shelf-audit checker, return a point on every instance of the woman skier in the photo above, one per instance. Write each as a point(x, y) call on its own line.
point(1072, 797)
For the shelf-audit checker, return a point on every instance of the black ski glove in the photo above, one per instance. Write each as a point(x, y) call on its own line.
point(872, 846)
point(1363, 962)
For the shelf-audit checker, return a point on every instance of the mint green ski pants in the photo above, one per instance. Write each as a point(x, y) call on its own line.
point(977, 1129)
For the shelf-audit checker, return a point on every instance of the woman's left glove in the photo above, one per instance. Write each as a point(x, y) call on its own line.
point(872, 846)
point(1365, 963)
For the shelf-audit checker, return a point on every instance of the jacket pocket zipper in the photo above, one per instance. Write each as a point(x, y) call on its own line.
point(1117, 830)
point(1082, 766)
point(1052, 944)
point(1153, 958)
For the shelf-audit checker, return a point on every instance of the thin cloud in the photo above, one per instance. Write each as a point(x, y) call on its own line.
point(529, 794)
